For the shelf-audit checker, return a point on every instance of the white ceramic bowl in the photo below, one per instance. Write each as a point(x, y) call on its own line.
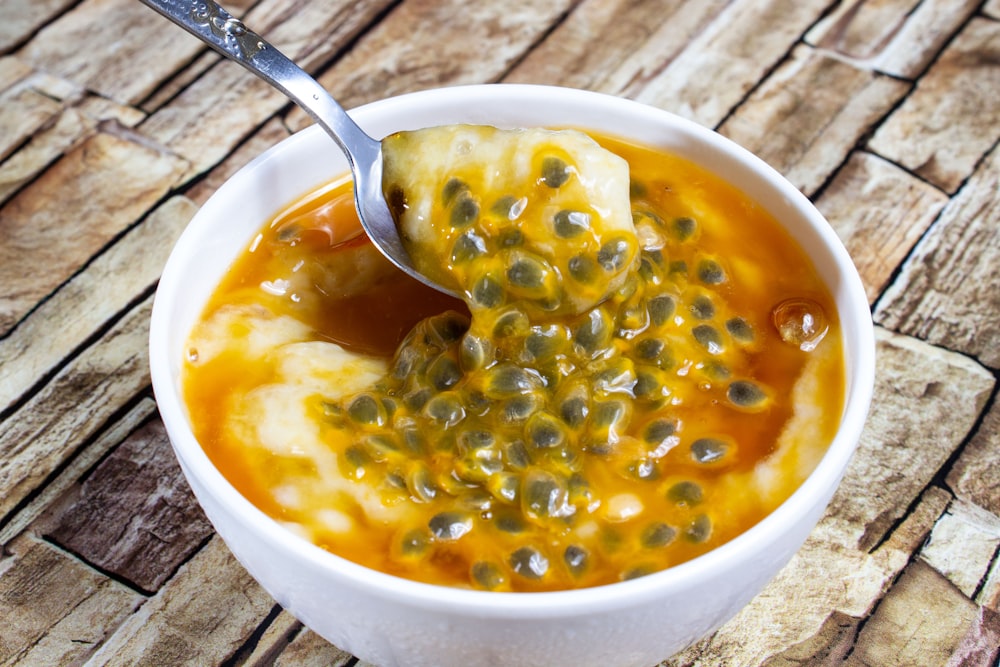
point(390, 621)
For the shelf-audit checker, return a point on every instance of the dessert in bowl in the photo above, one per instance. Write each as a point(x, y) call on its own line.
point(560, 588)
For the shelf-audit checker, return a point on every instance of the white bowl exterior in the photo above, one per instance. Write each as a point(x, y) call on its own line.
point(389, 621)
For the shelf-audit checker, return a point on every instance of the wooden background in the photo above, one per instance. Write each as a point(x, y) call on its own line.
point(115, 126)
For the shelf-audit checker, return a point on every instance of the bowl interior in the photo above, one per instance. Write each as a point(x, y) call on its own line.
point(229, 220)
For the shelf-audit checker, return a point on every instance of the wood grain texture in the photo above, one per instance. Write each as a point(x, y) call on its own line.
point(947, 291)
point(102, 187)
point(973, 477)
point(805, 118)
point(897, 37)
point(880, 212)
point(952, 118)
point(24, 17)
point(134, 515)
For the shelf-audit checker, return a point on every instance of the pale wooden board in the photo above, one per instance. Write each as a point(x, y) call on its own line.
point(89, 300)
point(879, 211)
point(132, 49)
point(405, 51)
point(947, 290)
point(898, 37)
point(63, 608)
point(226, 104)
point(973, 477)
point(952, 118)
point(200, 617)
point(615, 47)
point(21, 18)
point(46, 430)
point(107, 182)
point(805, 118)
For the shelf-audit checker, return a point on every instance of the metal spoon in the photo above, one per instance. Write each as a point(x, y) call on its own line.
point(216, 27)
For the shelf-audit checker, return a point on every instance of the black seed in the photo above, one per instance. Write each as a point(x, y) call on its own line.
point(543, 431)
point(474, 352)
point(650, 348)
point(465, 211)
point(527, 272)
point(365, 410)
point(508, 206)
point(420, 483)
point(555, 172)
point(685, 493)
point(608, 414)
point(709, 338)
point(487, 575)
point(487, 292)
point(447, 328)
point(658, 431)
point(444, 409)
point(417, 399)
point(702, 307)
point(452, 189)
point(476, 439)
point(529, 563)
point(450, 526)
point(636, 189)
point(710, 272)
point(661, 308)
point(740, 329)
point(708, 450)
point(467, 247)
point(510, 237)
point(746, 394)
point(541, 494)
point(444, 373)
point(519, 408)
point(508, 522)
point(583, 269)
point(679, 268)
point(517, 455)
point(657, 535)
point(574, 411)
point(543, 342)
point(647, 384)
point(613, 255)
point(507, 379)
point(683, 228)
point(568, 224)
point(594, 332)
point(576, 559)
point(637, 571)
point(699, 530)
point(511, 323)
point(414, 543)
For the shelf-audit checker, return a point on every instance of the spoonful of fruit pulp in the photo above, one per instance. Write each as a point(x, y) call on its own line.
point(535, 217)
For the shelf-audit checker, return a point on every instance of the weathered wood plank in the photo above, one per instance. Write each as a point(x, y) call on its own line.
point(90, 299)
point(974, 476)
point(138, 48)
point(135, 515)
point(102, 186)
point(921, 604)
point(48, 428)
point(226, 104)
point(805, 118)
point(47, 499)
point(880, 212)
point(21, 115)
point(949, 290)
point(962, 545)
point(897, 37)
point(952, 118)
point(609, 46)
point(63, 609)
point(942, 394)
point(200, 617)
point(405, 51)
point(310, 650)
point(713, 74)
point(270, 134)
point(21, 18)
point(275, 638)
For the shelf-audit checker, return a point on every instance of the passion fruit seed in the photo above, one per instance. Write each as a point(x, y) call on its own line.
point(544, 431)
point(529, 562)
point(711, 272)
point(576, 559)
point(527, 271)
point(745, 394)
point(661, 308)
point(613, 255)
point(685, 494)
point(555, 172)
point(709, 338)
point(450, 526)
point(452, 189)
point(365, 409)
point(467, 247)
point(574, 411)
point(414, 543)
point(699, 530)
point(465, 210)
point(702, 307)
point(683, 228)
point(487, 292)
point(709, 450)
point(487, 575)
point(583, 269)
point(657, 535)
point(740, 329)
point(569, 224)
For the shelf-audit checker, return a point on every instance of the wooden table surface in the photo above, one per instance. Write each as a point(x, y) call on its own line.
point(115, 126)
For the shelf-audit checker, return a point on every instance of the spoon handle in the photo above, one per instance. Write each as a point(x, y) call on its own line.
point(227, 35)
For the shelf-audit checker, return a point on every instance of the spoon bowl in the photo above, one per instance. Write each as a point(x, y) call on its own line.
point(213, 25)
